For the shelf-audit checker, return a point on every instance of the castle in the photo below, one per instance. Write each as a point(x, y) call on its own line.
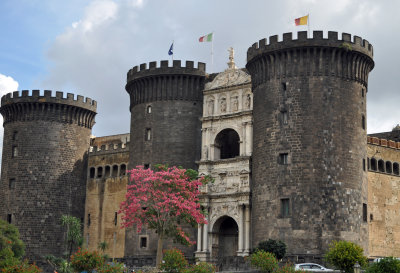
point(284, 139)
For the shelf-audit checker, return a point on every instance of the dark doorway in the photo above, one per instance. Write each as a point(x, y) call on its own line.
point(227, 144)
point(225, 238)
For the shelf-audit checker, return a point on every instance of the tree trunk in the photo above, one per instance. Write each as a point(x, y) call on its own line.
point(159, 252)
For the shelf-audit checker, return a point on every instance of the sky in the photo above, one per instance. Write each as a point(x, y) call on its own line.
point(86, 47)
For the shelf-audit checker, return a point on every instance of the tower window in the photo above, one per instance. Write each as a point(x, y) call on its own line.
point(362, 92)
point(11, 183)
point(123, 170)
point(115, 218)
point(143, 242)
point(88, 220)
point(285, 211)
point(284, 116)
point(15, 135)
point(148, 110)
point(148, 134)
point(283, 158)
point(14, 152)
point(363, 122)
point(363, 164)
point(365, 213)
point(9, 218)
point(99, 172)
point(284, 86)
point(92, 172)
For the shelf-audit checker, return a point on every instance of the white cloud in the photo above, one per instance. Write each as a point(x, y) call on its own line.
point(7, 84)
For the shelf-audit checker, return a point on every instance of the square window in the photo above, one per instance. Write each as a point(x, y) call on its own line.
point(143, 242)
point(11, 183)
point(285, 211)
point(284, 158)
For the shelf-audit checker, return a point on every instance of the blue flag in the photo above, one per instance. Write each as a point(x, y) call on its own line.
point(170, 51)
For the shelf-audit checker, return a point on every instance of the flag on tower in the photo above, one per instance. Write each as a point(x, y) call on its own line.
point(301, 21)
point(206, 38)
point(171, 49)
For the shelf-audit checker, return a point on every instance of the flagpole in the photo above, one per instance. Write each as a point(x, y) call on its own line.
point(212, 52)
point(308, 23)
point(172, 56)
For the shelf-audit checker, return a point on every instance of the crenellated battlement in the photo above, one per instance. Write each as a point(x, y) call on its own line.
point(346, 43)
point(383, 142)
point(23, 106)
point(164, 69)
point(349, 59)
point(46, 97)
point(147, 84)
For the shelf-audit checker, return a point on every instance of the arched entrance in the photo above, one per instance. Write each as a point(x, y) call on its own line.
point(225, 237)
point(227, 144)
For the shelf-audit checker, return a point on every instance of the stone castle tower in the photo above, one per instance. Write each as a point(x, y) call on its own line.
point(309, 186)
point(44, 165)
point(166, 107)
point(166, 104)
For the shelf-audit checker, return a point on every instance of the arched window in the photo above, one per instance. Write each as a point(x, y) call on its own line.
point(92, 172)
point(381, 165)
point(396, 168)
point(227, 144)
point(108, 171)
point(99, 172)
point(388, 165)
point(115, 171)
point(148, 110)
point(123, 169)
point(373, 164)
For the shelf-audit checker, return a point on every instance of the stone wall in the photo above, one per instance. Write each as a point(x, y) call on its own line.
point(383, 199)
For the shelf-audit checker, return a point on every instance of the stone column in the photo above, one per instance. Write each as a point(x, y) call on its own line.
point(249, 137)
point(241, 230)
point(247, 231)
point(244, 139)
point(199, 233)
point(205, 238)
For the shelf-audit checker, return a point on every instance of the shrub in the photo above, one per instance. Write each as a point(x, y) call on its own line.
point(173, 261)
point(386, 265)
point(264, 261)
point(201, 267)
point(111, 268)
point(343, 255)
point(86, 261)
point(278, 248)
point(24, 267)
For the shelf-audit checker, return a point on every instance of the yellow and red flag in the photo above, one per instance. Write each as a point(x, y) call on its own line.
point(301, 21)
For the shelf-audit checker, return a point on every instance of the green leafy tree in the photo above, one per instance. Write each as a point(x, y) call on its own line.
point(11, 247)
point(386, 265)
point(74, 232)
point(264, 261)
point(276, 247)
point(343, 255)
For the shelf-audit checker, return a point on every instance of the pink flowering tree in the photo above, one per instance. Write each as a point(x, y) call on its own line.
point(160, 200)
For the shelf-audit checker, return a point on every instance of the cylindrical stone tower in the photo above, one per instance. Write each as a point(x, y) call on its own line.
point(43, 171)
point(166, 107)
point(309, 182)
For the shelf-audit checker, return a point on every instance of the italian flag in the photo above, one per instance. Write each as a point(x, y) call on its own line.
point(301, 21)
point(206, 38)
